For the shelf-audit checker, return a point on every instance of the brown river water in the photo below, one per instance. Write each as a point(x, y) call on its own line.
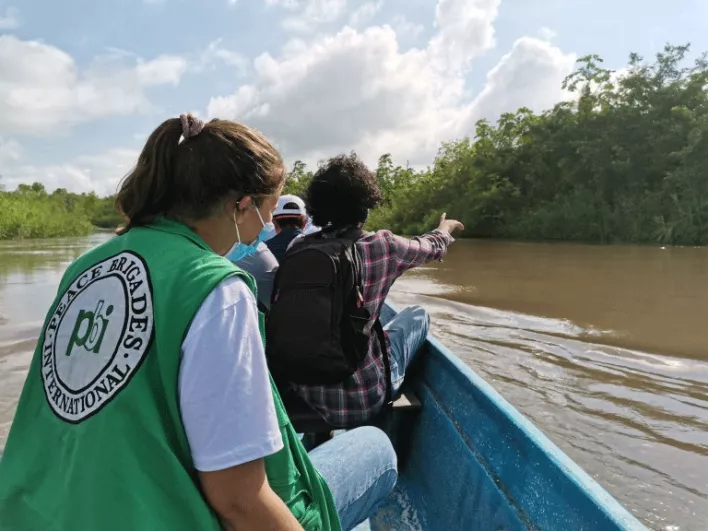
point(604, 348)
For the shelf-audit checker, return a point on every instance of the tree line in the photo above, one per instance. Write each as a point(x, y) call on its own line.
point(32, 212)
point(625, 160)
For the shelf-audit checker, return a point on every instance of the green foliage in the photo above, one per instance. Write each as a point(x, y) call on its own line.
point(30, 212)
point(625, 161)
point(297, 180)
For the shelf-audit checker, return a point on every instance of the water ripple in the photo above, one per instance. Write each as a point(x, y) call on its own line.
point(635, 421)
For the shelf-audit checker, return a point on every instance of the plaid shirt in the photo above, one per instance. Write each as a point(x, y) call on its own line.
point(385, 257)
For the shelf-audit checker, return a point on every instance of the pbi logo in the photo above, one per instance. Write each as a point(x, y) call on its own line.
point(90, 328)
point(99, 334)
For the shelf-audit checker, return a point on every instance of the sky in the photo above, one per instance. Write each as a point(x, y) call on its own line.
point(83, 83)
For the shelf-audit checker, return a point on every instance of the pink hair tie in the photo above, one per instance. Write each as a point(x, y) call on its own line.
point(191, 126)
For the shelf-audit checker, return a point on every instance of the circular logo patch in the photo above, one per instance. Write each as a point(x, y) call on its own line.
point(97, 336)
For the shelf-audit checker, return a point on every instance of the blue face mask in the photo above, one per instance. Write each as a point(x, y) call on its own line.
point(241, 250)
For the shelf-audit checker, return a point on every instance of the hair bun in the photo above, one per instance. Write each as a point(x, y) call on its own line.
point(191, 125)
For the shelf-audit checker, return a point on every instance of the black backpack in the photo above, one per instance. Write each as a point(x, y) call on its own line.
point(315, 330)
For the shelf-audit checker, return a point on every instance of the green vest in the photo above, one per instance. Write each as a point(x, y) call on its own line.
point(97, 441)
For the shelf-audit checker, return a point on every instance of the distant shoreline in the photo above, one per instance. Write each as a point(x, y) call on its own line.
point(20, 237)
point(107, 230)
point(30, 212)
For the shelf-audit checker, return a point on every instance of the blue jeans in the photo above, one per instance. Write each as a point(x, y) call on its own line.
point(406, 333)
point(360, 468)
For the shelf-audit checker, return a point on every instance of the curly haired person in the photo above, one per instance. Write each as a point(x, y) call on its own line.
point(339, 198)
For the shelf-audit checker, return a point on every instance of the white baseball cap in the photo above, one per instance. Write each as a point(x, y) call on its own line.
point(290, 205)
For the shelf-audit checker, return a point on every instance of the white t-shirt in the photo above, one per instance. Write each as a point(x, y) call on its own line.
point(224, 390)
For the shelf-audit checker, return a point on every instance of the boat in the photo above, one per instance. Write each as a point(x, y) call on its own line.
point(469, 461)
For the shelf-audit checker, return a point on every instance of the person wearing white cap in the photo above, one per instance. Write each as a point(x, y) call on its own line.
point(290, 219)
point(263, 263)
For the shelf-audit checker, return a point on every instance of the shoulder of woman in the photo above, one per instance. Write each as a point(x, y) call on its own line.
point(229, 292)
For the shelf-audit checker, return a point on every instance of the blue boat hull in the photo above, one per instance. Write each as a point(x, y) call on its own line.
point(473, 462)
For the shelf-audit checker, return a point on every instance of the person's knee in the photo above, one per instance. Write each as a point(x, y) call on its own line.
point(380, 450)
point(386, 460)
point(417, 310)
point(420, 315)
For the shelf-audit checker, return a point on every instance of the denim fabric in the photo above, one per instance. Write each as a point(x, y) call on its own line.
point(406, 333)
point(360, 467)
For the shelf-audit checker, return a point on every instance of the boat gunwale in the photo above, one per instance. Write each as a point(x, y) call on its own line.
point(607, 504)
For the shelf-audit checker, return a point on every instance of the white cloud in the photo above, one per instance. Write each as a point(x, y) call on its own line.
point(164, 70)
point(364, 13)
point(11, 19)
point(547, 34)
point(355, 89)
point(286, 4)
point(10, 151)
point(312, 14)
point(530, 75)
point(339, 91)
point(405, 29)
point(98, 173)
point(42, 90)
point(358, 90)
point(465, 32)
point(215, 53)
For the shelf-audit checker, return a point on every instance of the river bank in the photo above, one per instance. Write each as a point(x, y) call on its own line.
point(36, 228)
point(31, 213)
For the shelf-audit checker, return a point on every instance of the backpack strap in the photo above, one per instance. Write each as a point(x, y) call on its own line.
point(355, 234)
point(378, 329)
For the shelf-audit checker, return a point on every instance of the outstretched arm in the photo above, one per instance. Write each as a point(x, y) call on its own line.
point(419, 250)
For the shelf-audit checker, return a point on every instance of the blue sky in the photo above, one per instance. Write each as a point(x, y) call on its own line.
point(83, 83)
